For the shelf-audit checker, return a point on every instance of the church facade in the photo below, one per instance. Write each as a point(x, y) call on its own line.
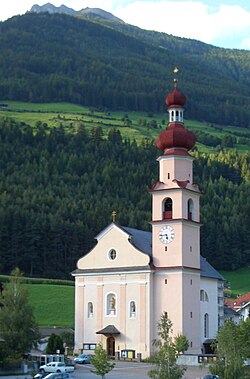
point(131, 277)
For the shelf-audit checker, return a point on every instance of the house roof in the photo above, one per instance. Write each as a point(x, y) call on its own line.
point(240, 302)
point(208, 270)
point(46, 332)
point(140, 239)
point(229, 312)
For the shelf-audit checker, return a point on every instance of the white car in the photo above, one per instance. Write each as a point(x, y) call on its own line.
point(58, 367)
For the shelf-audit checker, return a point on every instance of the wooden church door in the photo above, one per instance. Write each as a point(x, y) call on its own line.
point(111, 346)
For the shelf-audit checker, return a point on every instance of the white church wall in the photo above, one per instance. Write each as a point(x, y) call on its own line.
point(209, 306)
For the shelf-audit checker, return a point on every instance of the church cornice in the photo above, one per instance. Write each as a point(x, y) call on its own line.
point(113, 270)
point(175, 268)
point(173, 220)
point(180, 187)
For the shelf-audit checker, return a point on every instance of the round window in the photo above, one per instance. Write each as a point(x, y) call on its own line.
point(112, 254)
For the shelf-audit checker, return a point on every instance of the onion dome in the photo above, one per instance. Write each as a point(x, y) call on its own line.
point(175, 99)
point(175, 139)
point(176, 136)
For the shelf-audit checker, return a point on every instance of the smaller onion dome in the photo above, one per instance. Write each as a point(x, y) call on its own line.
point(176, 136)
point(175, 98)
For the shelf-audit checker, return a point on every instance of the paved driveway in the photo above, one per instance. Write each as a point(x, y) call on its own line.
point(122, 370)
point(126, 370)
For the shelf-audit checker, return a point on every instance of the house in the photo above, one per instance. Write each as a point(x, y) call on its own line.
point(241, 305)
point(231, 314)
point(131, 277)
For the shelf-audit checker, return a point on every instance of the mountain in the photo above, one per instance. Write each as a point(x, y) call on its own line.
point(106, 63)
point(85, 12)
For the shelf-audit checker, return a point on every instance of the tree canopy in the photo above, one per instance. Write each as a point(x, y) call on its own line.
point(58, 190)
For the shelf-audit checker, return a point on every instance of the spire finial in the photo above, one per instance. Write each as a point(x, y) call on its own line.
point(175, 71)
point(113, 214)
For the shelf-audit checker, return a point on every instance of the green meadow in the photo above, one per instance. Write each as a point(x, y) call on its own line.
point(239, 281)
point(53, 304)
point(70, 116)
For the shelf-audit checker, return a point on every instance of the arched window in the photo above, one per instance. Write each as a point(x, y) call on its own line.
point(172, 116)
point(181, 116)
point(203, 295)
point(132, 309)
point(111, 304)
point(177, 115)
point(168, 208)
point(190, 209)
point(90, 309)
point(206, 325)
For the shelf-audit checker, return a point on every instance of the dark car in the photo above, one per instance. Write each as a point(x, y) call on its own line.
point(83, 358)
point(211, 376)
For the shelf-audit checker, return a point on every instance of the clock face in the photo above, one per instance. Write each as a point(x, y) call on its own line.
point(166, 234)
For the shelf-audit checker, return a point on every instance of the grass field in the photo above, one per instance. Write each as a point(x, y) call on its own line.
point(71, 115)
point(54, 304)
point(239, 280)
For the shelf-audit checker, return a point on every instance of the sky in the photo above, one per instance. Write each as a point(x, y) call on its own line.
point(220, 23)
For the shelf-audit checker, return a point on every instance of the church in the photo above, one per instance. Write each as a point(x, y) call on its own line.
point(131, 277)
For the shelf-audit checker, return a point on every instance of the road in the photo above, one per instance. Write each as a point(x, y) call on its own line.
point(126, 370)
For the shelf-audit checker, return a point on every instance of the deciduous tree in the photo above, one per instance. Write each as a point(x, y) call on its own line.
point(232, 349)
point(166, 356)
point(17, 322)
point(101, 362)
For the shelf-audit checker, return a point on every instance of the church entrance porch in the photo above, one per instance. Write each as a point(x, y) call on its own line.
point(111, 346)
point(110, 331)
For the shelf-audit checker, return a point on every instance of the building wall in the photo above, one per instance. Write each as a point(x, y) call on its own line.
point(176, 292)
point(209, 306)
point(135, 330)
point(179, 168)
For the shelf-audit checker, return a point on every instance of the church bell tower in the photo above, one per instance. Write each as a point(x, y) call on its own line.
point(176, 228)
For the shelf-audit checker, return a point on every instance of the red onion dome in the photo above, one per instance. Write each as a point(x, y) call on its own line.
point(175, 136)
point(175, 98)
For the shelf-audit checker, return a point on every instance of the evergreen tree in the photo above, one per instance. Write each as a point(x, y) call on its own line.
point(55, 344)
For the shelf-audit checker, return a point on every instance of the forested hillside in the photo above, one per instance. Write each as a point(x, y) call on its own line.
point(58, 189)
point(60, 58)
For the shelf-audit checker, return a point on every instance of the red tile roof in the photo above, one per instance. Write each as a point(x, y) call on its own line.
point(239, 302)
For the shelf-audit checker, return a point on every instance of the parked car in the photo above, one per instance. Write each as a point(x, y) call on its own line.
point(45, 375)
point(56, 375)
point(211, 376)
point(83, 358)
point(40, 375)
point(58, 367)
